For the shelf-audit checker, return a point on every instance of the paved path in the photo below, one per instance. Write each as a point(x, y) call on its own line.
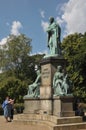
point(13, 126)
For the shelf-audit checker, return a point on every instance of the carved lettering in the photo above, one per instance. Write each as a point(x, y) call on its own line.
point(45, 73)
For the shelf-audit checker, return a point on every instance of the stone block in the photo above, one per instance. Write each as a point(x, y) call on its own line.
point(32, 105)
point(63, 106)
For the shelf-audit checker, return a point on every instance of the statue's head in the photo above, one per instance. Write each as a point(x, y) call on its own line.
point(38, 72)
point(51, 19)
point(59, 68)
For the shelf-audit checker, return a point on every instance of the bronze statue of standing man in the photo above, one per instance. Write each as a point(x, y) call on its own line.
point(54, 33)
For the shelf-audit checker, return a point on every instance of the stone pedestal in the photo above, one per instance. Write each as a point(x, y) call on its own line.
point(46, 103)
point(48, 68)
point(46, 106)
point(31, 105)
point(63, 106)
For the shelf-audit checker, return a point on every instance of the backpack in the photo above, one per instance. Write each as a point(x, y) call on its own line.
point(3, 105)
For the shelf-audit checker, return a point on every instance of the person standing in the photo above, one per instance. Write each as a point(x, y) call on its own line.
point(12, 108)
point(7, 109)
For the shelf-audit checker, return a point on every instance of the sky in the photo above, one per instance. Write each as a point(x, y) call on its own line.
point(31, 17)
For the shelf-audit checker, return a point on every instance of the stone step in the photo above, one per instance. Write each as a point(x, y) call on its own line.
point(52, 126)
point(72, 126)
point(81, 129)
point(50, 118)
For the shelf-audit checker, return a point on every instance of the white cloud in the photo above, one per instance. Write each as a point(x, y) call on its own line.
point(16, 25)
point(3, 41)
point(44, 25)
point(42, 52)
point(59, 21)
point(42, 14)
point(74, 15)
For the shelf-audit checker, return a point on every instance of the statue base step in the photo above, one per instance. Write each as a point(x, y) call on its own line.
point(51, 122)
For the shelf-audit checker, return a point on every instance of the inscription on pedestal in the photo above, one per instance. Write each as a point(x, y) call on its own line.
point(46, 74)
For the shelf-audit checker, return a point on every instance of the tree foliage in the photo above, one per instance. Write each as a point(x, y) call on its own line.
point(13, 87)
point(18, 67)
point(74, 50)
point(14, 57)
point(15, 52)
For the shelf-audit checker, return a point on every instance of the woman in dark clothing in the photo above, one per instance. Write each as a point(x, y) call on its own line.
point(7, 109)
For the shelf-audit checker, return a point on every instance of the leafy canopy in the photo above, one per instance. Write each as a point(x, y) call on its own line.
point(74, 50)
point(14, 65)
point(18, 67)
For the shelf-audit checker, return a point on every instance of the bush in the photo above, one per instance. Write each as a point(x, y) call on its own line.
point(18, 107)
point(1, 110)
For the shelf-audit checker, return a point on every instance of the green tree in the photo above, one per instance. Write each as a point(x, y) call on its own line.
point(18, 67)
point(13, 87)
point(15, 51)
point(74, 50)
point(14, 56)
